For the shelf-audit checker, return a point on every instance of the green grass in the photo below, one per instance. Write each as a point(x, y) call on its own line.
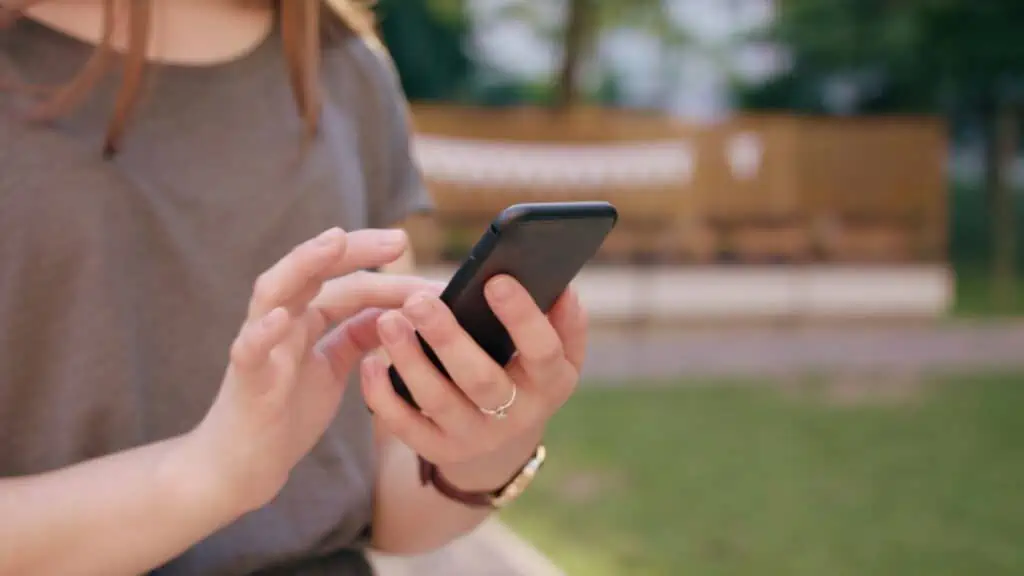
point(974, 295)
point(734, 480)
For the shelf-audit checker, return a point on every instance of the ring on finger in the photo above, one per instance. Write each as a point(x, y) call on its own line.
point(502, 411)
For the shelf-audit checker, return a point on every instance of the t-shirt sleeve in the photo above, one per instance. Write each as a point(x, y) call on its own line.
point(395, 185)
point(405, 193)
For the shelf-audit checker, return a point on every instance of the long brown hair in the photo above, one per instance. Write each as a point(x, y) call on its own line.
point(305, 24)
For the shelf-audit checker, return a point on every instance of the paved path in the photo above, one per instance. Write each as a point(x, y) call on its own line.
point(631, 354)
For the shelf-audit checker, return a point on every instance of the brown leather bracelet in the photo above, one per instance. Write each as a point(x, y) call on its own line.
point(430, 474)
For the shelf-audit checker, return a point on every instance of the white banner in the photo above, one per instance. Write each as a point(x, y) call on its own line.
point(486, 163)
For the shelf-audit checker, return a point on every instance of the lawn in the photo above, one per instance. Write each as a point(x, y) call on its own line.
point(974, 295)
point(784, 480)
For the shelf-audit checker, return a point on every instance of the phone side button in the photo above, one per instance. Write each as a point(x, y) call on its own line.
point(484, 246)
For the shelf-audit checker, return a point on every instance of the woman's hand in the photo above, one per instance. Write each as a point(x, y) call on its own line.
point(284, 383)
point(455, 429)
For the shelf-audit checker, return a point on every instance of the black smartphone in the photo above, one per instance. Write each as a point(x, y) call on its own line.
point(543, 246)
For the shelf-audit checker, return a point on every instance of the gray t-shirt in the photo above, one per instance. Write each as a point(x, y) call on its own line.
point(123, 282)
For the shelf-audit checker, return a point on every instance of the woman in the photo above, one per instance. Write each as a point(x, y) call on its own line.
point(125, 446)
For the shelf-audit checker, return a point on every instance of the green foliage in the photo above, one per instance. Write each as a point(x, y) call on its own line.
point(609, 93)
point(450, 11)
point(971, 253)
point(576, 43)
point(960, 58)
point(425, 38)
point(925, 55)
point(602, 14)
point(427, 41)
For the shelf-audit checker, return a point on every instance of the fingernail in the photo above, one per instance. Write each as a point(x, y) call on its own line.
point(500, 288)
point(392, 329)
point(328, 237)
point(391, 238)
point(371, 367)
point(419, 307)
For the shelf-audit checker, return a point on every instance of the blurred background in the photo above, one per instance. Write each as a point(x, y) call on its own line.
point(808, 351)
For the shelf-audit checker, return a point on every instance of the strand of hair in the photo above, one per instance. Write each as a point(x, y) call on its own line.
point(72, 93)
point(140, 22)
point(310, 64)
point(289, 14)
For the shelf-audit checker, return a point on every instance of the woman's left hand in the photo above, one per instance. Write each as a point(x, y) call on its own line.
point(457, 429)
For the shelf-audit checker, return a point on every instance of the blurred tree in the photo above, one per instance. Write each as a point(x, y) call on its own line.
point(864, 45)
point(583, 22)
point(961, 58)
point(578, 35)
point(425, 38)
point(974, 54)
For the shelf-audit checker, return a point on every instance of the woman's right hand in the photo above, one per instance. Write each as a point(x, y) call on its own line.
point(285, 380)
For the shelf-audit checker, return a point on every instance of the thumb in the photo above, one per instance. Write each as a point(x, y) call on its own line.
point(346, 344)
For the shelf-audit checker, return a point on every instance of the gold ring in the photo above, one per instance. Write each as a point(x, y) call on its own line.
point(502, 411)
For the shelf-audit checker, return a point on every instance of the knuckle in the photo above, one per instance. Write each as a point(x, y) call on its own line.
point(434, 400)
point(566, 386)
point(306, 296)
point(552, 354)
point(239, 353)
point(436, 405)
point(262, 287)
point(287, 373)
point(284, 366)
point(398, 425)
point(480, 386)
point(382, 406)
point(439, 333)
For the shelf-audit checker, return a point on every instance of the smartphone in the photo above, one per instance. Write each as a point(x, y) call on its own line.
point(541, 245)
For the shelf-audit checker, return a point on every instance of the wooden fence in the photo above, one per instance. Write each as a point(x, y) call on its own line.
point(754, 188)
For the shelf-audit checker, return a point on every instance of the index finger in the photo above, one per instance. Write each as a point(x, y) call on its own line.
point(297, 278)
point(342, 298)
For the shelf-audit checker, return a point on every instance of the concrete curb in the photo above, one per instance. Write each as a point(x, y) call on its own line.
point(745, 293)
